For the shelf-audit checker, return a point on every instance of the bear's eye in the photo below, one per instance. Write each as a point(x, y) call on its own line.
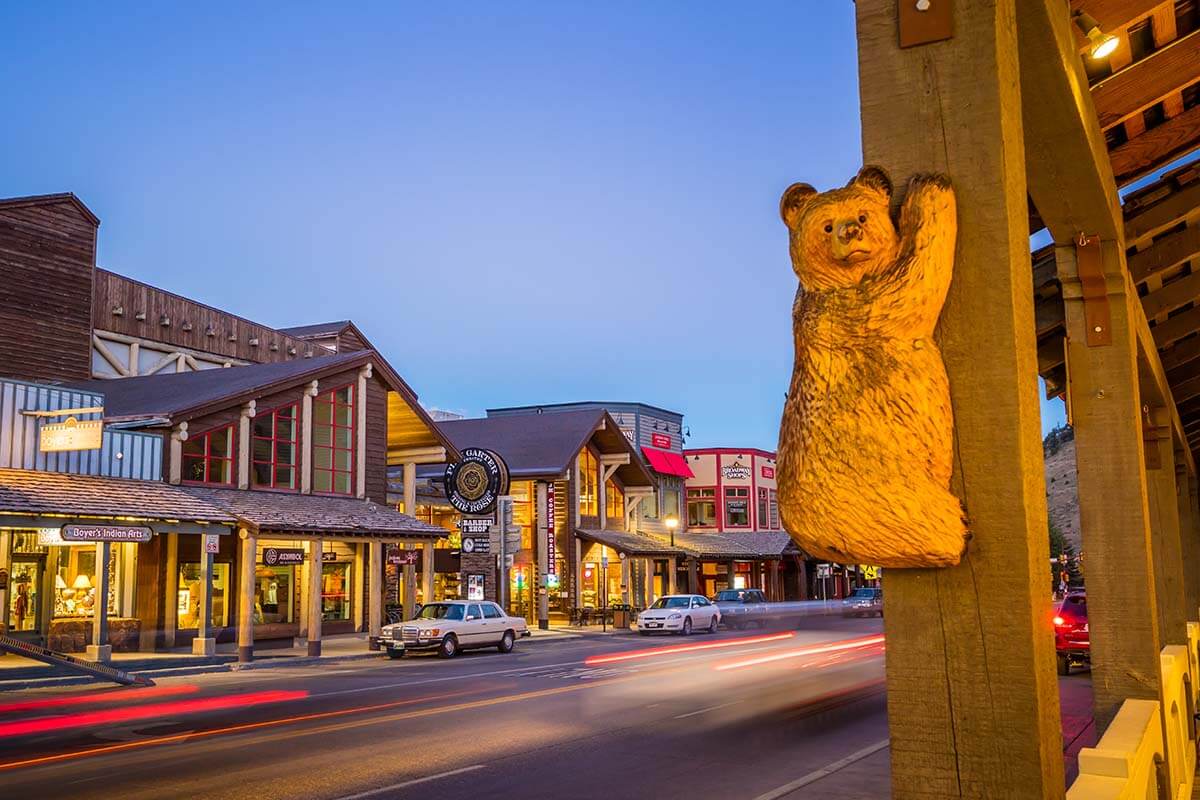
point(862, 219)
point(829, 227)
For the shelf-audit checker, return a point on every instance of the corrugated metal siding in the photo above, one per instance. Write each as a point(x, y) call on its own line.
point(123, 454)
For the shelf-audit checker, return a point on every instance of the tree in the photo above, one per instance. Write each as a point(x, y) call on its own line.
point(1062, 556)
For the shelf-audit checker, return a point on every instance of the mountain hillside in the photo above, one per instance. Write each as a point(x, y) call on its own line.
point(1062, 495)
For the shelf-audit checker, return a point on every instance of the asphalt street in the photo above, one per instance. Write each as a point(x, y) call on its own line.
point(742, 714)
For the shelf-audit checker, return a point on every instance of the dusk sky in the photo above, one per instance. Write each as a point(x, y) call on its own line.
point(517, 203)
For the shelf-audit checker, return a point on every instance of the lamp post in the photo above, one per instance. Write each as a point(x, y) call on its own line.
point(672, 522)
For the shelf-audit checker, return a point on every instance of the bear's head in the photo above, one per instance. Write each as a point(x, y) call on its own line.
point(841, 237)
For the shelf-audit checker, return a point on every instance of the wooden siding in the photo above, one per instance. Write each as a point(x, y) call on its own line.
point(377, 431)
point(349, 340)
point(47, 254)
point(211, 330)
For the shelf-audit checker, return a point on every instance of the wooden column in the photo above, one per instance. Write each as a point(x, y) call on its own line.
point(578, 577)
point(972, 697)
point(672, 576)
point(204, 644)
point(1189, 542)
point(626, 576)
point(6, 538)
point(100, 649)
point(171, 618)
point(243, 444)
point(1166, 547)
point(360, 445)
point(179, 435)
point(693, 576)
point(427, 572)
point(314, 597)
point(306, 426)
point(245, 605)
point(1106, 413)
point(375, 590)
point(409, 600)
point(410, 488)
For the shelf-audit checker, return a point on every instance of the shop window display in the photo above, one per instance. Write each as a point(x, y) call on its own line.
point(75, 578)
point(274, 589)
point(335, 591)
point(737, 507)
point(191, 594)
point(702, 508)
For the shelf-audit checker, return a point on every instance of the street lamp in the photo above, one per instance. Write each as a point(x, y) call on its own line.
point(672, 522)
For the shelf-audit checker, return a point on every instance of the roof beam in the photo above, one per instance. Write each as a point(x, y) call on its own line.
point(1181, 354)
point(1164, 254)
point(1172, 296)
point(1176, 327)
point(1141, 85)
point(1176, 205)
point(1160, 145)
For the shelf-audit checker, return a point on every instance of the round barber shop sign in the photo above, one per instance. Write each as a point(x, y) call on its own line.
point(474, 483)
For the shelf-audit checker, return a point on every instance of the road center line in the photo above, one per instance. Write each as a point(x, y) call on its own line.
point(823, 772)
point(413, 782)
point(704, 710)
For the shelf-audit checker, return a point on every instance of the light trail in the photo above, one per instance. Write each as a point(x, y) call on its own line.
point(109, 696)
point(246, 726)
point(116, 715)
point(685, 648)
point(852, 644)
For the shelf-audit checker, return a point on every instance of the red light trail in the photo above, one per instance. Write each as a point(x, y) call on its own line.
point(685, 648)
point(812, 650)
point(110, 696)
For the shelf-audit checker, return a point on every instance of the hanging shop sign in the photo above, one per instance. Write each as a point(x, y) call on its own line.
point(661, 440)
point(400, 557)
point(282, 556)
point(480, 525)
point(737, 471)
point(476, 544)
point(106, 533)
point(551, 552)
point(476, 481)
point(71, 434)
point(768, 472)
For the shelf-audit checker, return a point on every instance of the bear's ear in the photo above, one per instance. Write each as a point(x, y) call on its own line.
point(875, 178)
point(792, 204)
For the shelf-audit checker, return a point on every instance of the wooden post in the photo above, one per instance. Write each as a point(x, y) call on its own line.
point(1166, 547)
point(693, 576)
point(204, 644)
point(6, 538)
point(179, 435)
point(427, 572)
point(672, 576)
point(375, 590)
point(1106, 413)
point(410, 488)
point(100, 649)
point(409, 600)
point(625, 578)
point(243, 444)
point(1188, 540)
point(578, 577)
point(306, 427)
point(171, 618)
point(249, 558)
point(972, 696)
point(314, 597)
point(360, 446)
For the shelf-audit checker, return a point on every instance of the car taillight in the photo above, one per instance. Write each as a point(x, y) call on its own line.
point(1058, 621)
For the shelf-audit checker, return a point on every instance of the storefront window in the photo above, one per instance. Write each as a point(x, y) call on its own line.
point(335, 591)
point(274, 448)
point(191, 595)
point(774, 510)
point(670, 503)
point(274, 593)
point(522, 495)
point(208, 457)
point(333, 441)
point(614, 501)
point(74, 568)
point(737, 506)
point(25, 596)
point(589, 481)
point(763, 509)
point(702, 508)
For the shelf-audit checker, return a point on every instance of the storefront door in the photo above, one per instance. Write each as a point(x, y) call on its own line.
point(25, 600)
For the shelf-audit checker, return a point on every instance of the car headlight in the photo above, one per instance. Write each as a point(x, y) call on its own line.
point(675, 616)
point(432, 632)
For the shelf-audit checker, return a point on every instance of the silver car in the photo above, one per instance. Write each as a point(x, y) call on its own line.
point(453, 626)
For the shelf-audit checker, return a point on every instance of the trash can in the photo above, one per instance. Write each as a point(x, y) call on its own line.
point(622, 616)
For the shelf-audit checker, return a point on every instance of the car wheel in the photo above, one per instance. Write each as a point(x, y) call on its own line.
point(1064, 665)
point(448, 647)
point(392, 653)
point(687, 626)
point(712, 624)
point(506, 642)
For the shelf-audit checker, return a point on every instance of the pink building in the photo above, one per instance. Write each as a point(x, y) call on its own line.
point(731, 490)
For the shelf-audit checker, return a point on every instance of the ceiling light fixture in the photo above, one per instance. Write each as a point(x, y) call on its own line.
point(1102, 44)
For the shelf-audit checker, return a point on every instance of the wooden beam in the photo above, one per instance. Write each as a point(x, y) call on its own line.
point(1176, 327)
point(1141, 85)
point(1160, 145)
point(1180, 353)
point(1047, 314)
point(1182, 392)
point(1176, 294)
point(1183, 203)
point(937, 108)
point(1166, 253)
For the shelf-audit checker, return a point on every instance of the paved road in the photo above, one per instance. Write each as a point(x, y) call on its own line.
point(731, 715)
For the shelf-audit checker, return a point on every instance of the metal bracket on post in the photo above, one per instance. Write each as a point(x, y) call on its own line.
point(925, 21)
point(1094, 290)
point(1151, 433)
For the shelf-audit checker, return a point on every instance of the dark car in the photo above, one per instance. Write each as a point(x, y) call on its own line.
point(1071, 638)
point(865, 602)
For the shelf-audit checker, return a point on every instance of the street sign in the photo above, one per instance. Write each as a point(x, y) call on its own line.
point(212, 543)
point(398, 557)
point(824, 570)
point(475, 525)
point(476, 544)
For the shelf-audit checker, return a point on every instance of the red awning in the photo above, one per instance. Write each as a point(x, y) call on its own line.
point(666, 463)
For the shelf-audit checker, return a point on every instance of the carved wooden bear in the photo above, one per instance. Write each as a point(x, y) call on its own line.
point(866, 440)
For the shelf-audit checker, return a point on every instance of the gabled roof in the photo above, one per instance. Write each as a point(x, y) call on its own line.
point(545, 445)
point(579, 405)
point(51, 199)
point(317, 329)
point(192, 393)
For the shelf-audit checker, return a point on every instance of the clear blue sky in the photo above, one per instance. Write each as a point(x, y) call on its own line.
point(518, 203)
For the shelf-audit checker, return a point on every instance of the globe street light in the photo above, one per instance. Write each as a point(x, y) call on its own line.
point(672, 522)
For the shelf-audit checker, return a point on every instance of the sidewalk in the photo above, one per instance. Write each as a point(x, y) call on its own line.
point(19, 673)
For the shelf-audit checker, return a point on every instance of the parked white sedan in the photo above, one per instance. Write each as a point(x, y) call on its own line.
point(453, 626)
point(679, 613)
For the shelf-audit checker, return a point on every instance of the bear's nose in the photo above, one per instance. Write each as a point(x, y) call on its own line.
point(848, 231)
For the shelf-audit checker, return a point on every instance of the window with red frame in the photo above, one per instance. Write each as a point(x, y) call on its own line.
point(273, 448)
point(208, 457)
point(333, 441)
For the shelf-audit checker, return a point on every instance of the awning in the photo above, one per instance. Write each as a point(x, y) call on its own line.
point(667, 463)
point(632, 544)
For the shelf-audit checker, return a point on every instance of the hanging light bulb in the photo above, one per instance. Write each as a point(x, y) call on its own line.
point(1102, 44)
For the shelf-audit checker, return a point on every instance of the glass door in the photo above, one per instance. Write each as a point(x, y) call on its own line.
point(25, 596)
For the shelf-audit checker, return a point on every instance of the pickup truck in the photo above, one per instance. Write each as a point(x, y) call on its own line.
point(741, 608)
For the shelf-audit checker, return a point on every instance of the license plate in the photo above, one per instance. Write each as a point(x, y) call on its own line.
point(653, 624)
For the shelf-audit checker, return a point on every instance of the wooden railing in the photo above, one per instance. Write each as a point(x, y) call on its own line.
point(1149, 749)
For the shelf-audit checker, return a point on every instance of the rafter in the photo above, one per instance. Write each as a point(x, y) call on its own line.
point(1166, 213)
point(1176, 327)
point(1172, 296)
point(1167, 253)
point(1163, 143)
point(1181, 353)
point(1146, 82)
